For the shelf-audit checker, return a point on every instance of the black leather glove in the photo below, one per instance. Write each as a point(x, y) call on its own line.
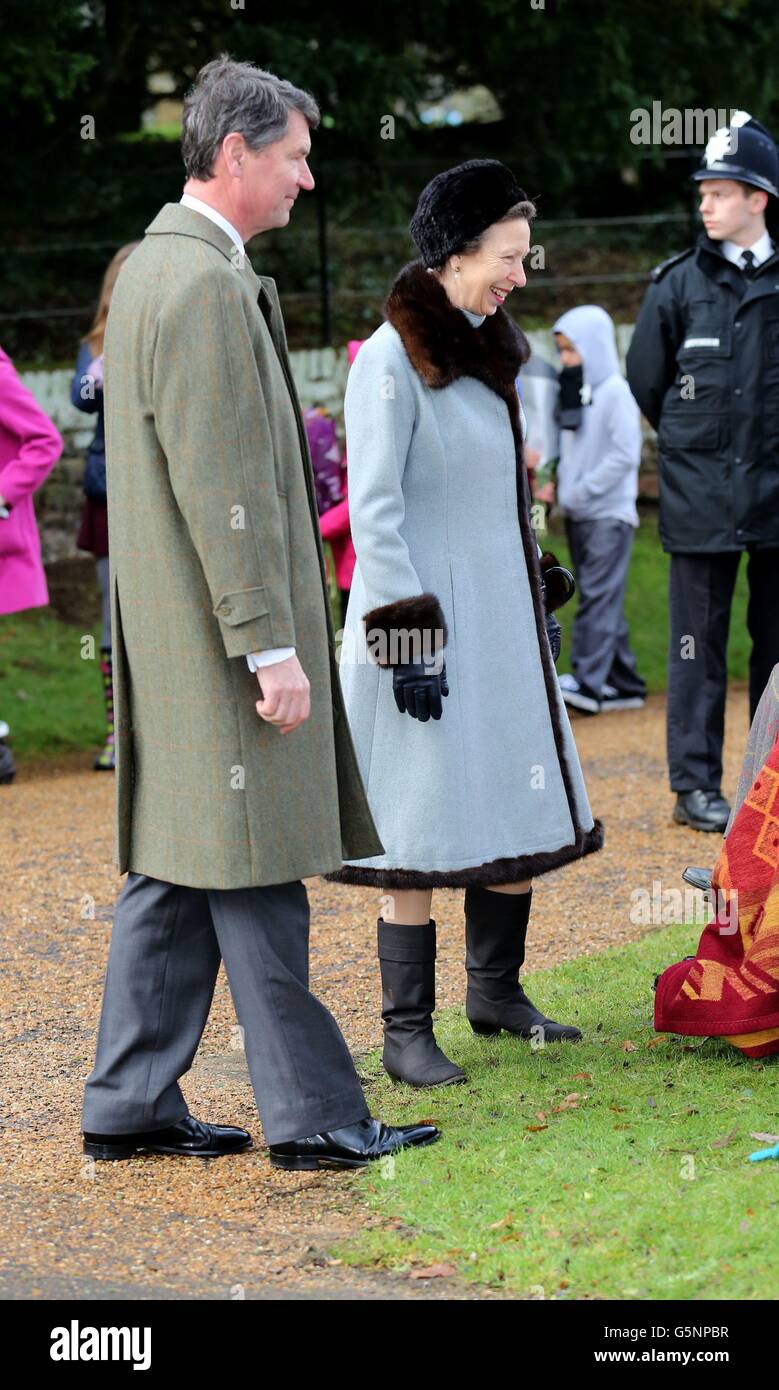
point(418, 688)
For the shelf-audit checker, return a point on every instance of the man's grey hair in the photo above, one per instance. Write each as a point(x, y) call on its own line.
point(229, 96)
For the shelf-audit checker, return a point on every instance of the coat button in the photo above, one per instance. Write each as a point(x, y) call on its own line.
point(737, 459)
point(227, 610)
point(738, 391)
point(737, 324)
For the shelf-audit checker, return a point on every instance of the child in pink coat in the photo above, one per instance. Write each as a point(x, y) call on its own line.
point(29, 448)
point(334, 523)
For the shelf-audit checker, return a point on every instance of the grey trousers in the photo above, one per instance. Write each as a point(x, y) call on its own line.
point(166, 946)
point(600, 642)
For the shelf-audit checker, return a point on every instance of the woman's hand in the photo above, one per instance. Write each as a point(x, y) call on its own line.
point(418, 688)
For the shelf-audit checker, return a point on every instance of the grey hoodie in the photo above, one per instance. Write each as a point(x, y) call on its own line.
point(597, 476)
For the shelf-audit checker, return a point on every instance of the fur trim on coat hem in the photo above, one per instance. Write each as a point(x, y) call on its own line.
point(496, 871)
point(409, 629)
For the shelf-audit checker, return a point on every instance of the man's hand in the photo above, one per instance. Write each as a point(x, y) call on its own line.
point(286, 694)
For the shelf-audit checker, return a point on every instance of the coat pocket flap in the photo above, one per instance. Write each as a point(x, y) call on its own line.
point(241, 606)
point(684, 430)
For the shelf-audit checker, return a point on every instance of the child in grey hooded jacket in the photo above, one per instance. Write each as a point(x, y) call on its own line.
point(597, 484)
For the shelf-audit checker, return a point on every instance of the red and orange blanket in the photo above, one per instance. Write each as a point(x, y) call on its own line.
point(730, 988)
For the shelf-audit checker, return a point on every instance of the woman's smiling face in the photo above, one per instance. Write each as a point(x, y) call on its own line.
point(488, 275)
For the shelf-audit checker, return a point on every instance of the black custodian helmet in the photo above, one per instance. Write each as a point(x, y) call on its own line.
point(743, 151)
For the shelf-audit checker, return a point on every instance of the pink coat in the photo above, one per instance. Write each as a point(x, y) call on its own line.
point(334, 524)
point(29, 448)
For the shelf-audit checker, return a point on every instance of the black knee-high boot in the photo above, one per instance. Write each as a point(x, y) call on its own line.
point(407, 955)
point(495, 931)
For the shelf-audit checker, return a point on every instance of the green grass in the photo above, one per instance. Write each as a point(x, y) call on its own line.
point(646, 606)
point(640, 1190)
point(51, 696)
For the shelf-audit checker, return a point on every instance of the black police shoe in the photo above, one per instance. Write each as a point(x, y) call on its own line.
point(699, 878)
point(702, 810)
point(353, 1146)
point(187, 1136)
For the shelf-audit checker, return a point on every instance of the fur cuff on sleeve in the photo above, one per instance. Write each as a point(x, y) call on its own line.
point(559, 583)
point(409, 630)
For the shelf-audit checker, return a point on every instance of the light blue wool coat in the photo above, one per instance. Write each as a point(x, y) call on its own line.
point(493, 791)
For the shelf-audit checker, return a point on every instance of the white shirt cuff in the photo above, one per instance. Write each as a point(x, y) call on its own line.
point(268, 657)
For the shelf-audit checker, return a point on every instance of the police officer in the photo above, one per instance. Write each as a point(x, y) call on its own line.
point(703, 365)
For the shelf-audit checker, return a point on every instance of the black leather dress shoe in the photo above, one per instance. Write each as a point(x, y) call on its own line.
point(187, 1136)
point(354, 1146)
point(699, 878)
point(702, 810)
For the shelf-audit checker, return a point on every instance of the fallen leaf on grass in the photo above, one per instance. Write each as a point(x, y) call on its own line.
point(507, 1220)
point(725, 1139)
point(535, 1129)
point(629, 1046)
point(571, 1102)
point(434, 1272)
point(765, 1138)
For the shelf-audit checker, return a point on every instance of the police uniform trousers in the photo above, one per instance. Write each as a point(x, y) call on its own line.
point(700, 598)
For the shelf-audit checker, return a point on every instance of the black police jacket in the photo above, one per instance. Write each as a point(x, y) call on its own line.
point(703, 364)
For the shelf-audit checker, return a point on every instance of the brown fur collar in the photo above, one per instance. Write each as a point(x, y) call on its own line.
point(442, 344)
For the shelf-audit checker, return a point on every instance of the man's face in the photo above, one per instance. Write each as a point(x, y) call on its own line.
point(274, 177)
point(729, 209)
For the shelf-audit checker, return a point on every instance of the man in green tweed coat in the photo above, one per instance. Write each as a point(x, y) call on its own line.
point(236, 774)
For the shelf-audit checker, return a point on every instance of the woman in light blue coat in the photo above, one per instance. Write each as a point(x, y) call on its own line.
point(448, 676)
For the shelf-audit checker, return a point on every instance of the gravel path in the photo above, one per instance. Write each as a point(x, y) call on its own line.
point(159, 1227)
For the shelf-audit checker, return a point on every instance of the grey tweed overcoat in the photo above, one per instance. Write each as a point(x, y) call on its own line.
point(440, 515)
